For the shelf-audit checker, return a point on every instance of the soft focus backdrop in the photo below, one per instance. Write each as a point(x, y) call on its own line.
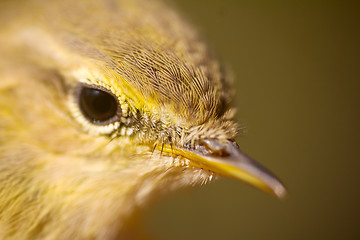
point(296, 67)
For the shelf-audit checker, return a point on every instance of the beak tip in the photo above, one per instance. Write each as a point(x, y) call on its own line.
point(280, 191)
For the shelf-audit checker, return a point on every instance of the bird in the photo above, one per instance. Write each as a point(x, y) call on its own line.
point(105, 106)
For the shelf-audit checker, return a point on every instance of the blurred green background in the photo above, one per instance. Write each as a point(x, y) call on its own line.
point(296, 67)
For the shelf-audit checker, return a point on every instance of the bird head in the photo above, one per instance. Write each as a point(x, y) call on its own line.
point(104, 105)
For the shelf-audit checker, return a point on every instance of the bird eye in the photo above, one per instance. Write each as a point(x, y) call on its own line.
point(98, 105)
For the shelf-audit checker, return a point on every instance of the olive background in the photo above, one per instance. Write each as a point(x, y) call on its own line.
point(296, 73)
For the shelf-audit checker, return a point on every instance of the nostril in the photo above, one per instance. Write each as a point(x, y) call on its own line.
point(214, 147)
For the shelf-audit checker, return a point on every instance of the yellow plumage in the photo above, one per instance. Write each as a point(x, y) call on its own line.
point(65, 172)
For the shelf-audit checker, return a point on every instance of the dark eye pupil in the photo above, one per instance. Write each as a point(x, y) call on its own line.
point(99, 107)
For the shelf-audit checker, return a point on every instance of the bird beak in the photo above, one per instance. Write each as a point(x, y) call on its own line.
point(225, 158)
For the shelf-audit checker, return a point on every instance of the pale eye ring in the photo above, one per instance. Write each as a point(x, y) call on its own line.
point(98, 105)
